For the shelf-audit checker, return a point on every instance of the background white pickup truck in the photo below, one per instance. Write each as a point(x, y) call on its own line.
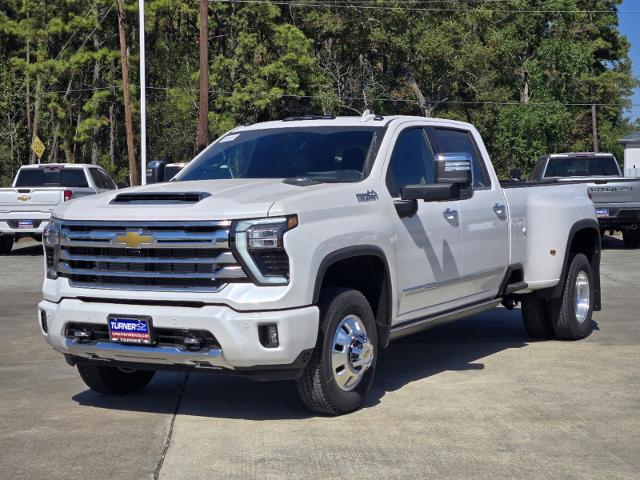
point(25, 208)
point(297, 249)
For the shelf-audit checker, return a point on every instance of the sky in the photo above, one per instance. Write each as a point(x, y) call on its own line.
point(630, 26)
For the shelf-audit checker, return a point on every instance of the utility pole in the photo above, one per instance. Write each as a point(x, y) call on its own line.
point(133, 168)
point(594, 127)
point(143, 96)
point(203, 117)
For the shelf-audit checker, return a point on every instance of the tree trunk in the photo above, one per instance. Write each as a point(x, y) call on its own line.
point(124, 61)
point(422, 103)
point(36, 115)
point(94, 84)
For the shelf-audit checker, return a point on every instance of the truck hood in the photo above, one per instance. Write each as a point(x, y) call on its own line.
point(218, 200)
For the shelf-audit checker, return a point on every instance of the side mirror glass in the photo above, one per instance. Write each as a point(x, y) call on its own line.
point(454, 168)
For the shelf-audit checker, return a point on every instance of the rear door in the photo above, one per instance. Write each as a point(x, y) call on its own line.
point(428, 249)
point(483, 219)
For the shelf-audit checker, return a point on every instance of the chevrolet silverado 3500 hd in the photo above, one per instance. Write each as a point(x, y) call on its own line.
point(297, 249)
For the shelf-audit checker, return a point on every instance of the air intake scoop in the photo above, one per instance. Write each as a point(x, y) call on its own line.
point(159, 198)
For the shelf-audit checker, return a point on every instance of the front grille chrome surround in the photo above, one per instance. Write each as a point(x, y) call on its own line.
point(155, 256)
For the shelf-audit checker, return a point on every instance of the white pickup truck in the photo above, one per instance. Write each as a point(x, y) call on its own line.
point(298, 249)
point(25, 208)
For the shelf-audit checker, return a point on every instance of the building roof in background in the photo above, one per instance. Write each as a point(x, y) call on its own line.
point(633, 138)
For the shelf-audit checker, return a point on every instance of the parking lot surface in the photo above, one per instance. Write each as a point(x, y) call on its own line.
point(472, 399)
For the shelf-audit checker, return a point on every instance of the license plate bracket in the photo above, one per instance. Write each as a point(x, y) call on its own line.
point(25, 224)
point(131, 329)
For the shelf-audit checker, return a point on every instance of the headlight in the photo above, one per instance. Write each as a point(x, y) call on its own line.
point(260, 246)
point(51, 237)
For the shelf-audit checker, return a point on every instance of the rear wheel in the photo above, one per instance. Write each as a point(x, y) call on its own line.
point(114, 381)
point(340, 372)
point(631, 238)
point(6, 244)
point(570, 314)
point(534, 315)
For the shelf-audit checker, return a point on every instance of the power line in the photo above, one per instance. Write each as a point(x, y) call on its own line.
point(357, 6)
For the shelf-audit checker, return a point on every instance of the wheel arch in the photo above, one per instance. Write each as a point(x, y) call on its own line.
point(584, 237)
point(365, 268)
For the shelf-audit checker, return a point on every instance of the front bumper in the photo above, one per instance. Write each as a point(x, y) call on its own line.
point(236, 333)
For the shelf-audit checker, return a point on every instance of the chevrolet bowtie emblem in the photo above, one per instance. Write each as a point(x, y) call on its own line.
point(24, 197)
point(133, 240)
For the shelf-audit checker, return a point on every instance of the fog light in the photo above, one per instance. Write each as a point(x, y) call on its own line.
point(268, 334)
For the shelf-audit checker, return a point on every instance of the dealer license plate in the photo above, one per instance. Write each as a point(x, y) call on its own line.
point(602, 212)
point(25, 223)
point(136, 330)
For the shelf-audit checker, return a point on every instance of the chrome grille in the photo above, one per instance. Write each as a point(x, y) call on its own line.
point(192, 256)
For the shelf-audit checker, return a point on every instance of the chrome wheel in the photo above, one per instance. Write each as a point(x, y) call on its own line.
point(352, 352)
point(582, 296)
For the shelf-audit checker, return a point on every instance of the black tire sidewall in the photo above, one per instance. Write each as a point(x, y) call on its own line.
point(342, 304)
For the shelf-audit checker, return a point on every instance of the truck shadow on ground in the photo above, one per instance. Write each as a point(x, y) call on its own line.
point(456, 346)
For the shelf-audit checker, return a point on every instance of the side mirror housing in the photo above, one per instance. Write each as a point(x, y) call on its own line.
point(454, 168)
point(516, 175)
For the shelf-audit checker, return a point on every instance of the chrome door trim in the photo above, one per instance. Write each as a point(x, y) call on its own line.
point(432, 286)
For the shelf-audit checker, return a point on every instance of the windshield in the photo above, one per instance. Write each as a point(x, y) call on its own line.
point(582, 167)
point(45, 177)
point(325, 154)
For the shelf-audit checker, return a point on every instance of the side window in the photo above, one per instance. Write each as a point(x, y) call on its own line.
point(460, 141)
point(411, 162)
point(106, 180)
point(97, 179)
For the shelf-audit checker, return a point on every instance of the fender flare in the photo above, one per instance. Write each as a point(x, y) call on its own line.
point(584, 224)
point(383, 313)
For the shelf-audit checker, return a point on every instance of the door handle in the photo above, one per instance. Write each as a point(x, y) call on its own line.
point(450, 214)
point(501, 211)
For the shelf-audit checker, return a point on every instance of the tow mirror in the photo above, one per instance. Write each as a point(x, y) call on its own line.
point(436, 192)
point(516, 175)
point(454, 168)
point(155, 171)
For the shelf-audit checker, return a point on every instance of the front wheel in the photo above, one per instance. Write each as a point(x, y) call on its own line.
point(570, 314)
point(631, 238)
point(340, 372)
point(6, 244)
point(113, 380)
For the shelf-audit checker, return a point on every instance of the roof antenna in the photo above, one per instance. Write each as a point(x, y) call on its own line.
point(367, 115)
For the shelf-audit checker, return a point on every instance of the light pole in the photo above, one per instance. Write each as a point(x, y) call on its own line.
point(143, 106)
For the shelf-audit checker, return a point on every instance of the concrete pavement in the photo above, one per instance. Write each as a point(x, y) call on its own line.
point(472, 399)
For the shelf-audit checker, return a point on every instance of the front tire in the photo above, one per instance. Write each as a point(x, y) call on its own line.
point(631, 238)
point(6, 244)
point(114, 381)
point(340, 372)
point(570, 314)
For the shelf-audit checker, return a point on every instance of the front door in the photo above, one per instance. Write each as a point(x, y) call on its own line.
point(428, 244)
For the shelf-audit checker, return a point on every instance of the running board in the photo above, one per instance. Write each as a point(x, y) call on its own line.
point(412, 326)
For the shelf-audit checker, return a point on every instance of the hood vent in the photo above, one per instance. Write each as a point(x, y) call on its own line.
point(159, 198)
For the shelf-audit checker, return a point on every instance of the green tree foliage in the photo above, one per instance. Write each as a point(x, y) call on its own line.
point(525, 72)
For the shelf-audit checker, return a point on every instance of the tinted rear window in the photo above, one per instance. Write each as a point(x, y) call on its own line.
point(581, 167)
point(40, 177)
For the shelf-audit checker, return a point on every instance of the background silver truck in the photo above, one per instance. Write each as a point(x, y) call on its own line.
point(26, 207)
point(616, 198)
